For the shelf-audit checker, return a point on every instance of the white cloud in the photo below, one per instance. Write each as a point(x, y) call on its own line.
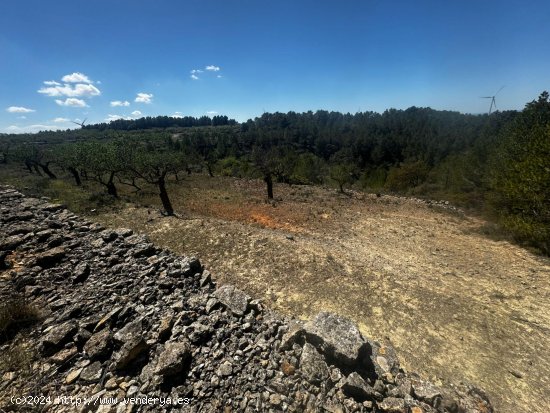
point(76, 77)
point(80, 90)
point(211, 112)
point(196, 71)
point(194, 77)
point(144, 98)
point(136, 113)
point(22, 117)
point(77, 103)
point(51, 83)
point(115, 103)
point(110, 118)
point(19, 109)
point(219, 76)
point(177, 115)
point(29, 128)
point(61, 120)
point(213, 68)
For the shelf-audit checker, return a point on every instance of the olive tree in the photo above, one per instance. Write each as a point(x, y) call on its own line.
point(155, 167)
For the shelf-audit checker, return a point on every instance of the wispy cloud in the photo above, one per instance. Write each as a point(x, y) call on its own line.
point(19, 109)
point(177, 115)
point(116, 103)
point(211, 112)
point(136, 113)
point(29, 128)
point(144, 98)
point(209, 68)
point(73, 102)
point(51, 83)
point(61, 120)
point(76, 77)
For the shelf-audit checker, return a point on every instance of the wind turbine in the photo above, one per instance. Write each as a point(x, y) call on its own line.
point(493, 101)
point(81, 124)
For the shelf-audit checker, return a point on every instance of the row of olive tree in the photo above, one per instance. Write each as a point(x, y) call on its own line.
point(109, 163)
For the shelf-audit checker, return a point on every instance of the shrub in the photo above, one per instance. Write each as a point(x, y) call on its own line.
point(407, 176)
point(16, 313)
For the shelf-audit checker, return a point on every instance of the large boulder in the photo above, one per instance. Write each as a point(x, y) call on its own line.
point(232, 298)
point(338, 338)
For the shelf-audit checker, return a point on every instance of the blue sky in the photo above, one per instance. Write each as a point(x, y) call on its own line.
point(251, 56)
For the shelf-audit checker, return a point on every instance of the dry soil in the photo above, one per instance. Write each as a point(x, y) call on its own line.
point(457, 305)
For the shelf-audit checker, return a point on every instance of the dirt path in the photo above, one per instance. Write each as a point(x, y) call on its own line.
point(456, 304)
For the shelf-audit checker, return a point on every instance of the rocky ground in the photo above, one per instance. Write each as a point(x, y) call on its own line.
point(122, 320)
point(456, 303)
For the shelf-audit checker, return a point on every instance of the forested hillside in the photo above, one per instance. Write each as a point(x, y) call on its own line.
point(498, 164)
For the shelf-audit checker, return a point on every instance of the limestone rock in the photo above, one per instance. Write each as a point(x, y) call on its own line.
point(425, 391)
point(50, 258)
point(294, 335)
point(81, 272)
point(129, 331)
point(99, 344)
point(173, 359)
point(92, 373)
point(337, 336)
point(73, 375)
point(393, 405)
point(57, 337)
point(356, 387)
point(313, 365)
point(232, 298)
point(62, 356)
point(131, 350)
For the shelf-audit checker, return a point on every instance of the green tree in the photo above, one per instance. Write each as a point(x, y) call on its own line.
point(343, 169)
point(271, 165)
point(154, 167)
point(104, 161)
point(71, 157)
point(520, 175)
point(36, 158)
point(407, 175)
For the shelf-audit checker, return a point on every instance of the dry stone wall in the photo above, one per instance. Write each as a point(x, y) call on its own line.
point(127, 326)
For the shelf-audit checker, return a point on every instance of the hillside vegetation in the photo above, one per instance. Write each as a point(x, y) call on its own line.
point(497, 164)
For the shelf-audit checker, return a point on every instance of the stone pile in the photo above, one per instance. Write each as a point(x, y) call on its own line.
point(129, 325)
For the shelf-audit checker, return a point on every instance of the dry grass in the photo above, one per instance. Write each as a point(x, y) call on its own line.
point(456, 303)
point(16, 313)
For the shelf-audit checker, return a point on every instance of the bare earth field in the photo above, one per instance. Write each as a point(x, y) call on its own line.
point(457, 305)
